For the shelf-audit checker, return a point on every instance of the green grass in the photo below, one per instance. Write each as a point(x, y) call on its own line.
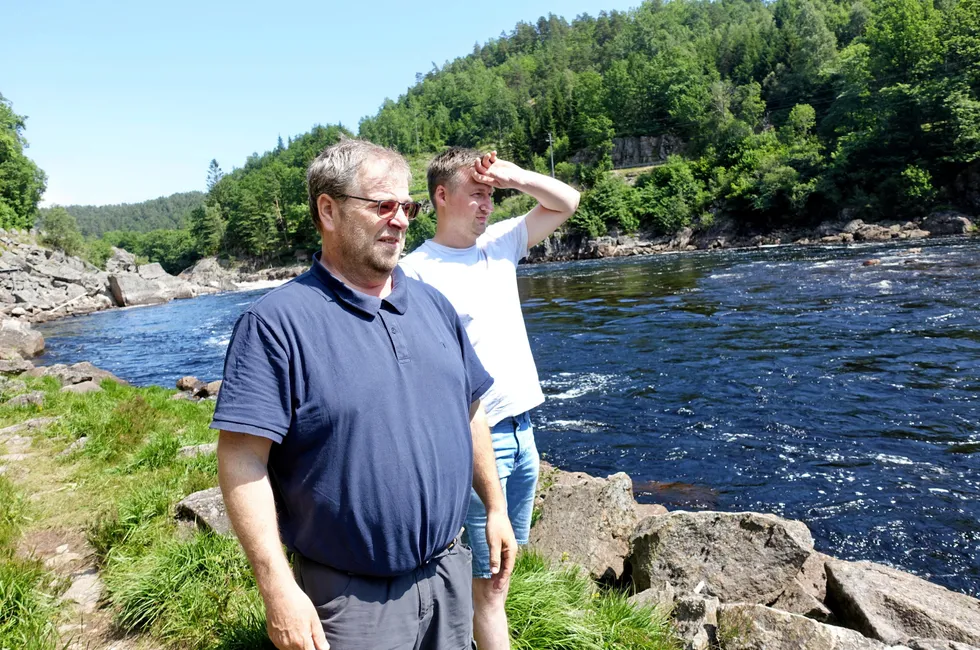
point(194, 590)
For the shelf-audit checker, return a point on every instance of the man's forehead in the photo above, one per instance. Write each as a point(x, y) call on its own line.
point(469, 184)
point(381, 175)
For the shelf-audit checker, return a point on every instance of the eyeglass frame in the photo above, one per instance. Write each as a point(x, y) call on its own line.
point(403, 204)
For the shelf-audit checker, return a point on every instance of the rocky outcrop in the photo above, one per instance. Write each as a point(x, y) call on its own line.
point(18, 335)
point(209, 272)
point(893, 606)
point(756, 627)
point(948, 223)
point(76, 373)
point(587, 521)
point(150, 285)
point(740, 557)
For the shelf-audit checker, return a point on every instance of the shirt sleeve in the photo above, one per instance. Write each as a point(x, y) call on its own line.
point(508, 239)
point(255, 396)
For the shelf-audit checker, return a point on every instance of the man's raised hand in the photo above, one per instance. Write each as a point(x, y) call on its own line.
point(498, 173)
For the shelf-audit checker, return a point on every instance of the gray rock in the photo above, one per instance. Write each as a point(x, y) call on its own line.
point(660, 597)
point(209, 272)
point(947, 223)
point(813, 575)
point(207, 508)
point(190, 383)
point(75, 446)
point(82, 387)
point(34, 398)
point(75, 373)
point(85, 590)
point(120, 261)
point(756, 627)
point(586, 521)
point(198, 450)
point(894, 606)
point(14, 366)
point(27, 425)
point(18, 335)
point(212, 388)
point(741, 557)
point(696, 621)
point(795, 599)
point(937, 644)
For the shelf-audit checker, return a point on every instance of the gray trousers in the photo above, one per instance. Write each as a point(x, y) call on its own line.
point(430, 608)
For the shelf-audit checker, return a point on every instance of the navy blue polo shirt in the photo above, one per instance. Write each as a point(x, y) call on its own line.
point(368, 400)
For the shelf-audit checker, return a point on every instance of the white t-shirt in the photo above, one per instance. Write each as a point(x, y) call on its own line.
point(481, 283)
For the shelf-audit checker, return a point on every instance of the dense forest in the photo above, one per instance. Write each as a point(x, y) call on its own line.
point(167, 212)
point(778, 113)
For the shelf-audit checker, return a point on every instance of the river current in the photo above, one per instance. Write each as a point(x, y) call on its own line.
point(787, 380)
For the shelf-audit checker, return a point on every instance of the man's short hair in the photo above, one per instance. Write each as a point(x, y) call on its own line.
point(335, 171)
point(446, 168)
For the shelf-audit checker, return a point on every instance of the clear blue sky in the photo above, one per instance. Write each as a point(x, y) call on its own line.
point(128, 101)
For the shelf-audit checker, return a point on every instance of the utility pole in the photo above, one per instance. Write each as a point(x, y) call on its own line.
point(551, 149)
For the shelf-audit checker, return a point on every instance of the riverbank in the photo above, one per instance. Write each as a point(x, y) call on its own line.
point(113, 549)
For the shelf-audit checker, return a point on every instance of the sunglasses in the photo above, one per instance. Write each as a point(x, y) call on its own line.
point(388, 208)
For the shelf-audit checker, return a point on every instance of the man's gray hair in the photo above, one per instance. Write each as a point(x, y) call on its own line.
point(335, 171)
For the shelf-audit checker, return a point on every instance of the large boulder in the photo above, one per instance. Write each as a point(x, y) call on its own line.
point(208, 272)
point(586, 521)
point(894, 606)
point(756, 627)
point(18, 335)
point(947, 223)
point(207, 509)
point(740, 557)
point(151, 285)
point(75, 373)
point(120, 261)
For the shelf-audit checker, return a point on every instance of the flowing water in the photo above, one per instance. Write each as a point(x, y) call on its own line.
point(787, 380)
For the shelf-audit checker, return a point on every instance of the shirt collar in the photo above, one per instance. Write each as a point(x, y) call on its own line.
point(396, 301)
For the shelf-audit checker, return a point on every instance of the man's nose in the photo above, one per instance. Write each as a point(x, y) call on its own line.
point(399, 220)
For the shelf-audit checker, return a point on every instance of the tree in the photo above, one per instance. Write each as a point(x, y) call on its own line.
point(207, 229)
point(215, 174)
point(59, 230)
point(21, 181)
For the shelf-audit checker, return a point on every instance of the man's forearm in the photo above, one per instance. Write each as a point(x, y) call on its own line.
point(551, 193)
point(244, 478)
point(486, 481)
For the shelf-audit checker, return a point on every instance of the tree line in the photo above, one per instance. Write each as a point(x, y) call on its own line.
point(784, 112)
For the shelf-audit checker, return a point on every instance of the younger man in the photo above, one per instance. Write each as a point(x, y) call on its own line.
point(475, 267)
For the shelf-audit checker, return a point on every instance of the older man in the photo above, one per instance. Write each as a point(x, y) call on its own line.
point(351, 409)
point(475, 266)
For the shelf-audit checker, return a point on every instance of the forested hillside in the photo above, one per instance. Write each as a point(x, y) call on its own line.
point(777, 113)
point(166, 212)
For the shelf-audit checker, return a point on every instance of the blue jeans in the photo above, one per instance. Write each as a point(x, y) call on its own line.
point(517, 464)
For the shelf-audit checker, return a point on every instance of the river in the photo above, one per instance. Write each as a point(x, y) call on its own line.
point(791, 380)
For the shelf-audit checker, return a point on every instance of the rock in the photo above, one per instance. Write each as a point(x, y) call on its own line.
point(27, 425)
point(207, 508)
point(696, 621)
point(937, 644)
point(82, 387)
point(813, 575)
point(75, 373)
point(213, 388)
point(208, 272)
point(756, 627)
point(198, 450)
point(120, 262)
point(85, 590)
point(873, 232)
point(587, 521)
point(18, 335)
point(181, 395)
point(853, 226)
point(741, 557)
point(189, 383)
point(644, 510)
point(874, 262)
point(893, 606)
point(947, 223)
point(34, 398)
point(681, 239)
point(75, 446)
point(795, 599)
point(14, 366)
point(659, 597)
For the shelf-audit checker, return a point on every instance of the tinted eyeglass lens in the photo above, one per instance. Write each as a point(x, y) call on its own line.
point(412, 209)
point(387, 209)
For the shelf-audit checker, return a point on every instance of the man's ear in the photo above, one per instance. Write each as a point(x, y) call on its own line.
point(440, 196)
point(328, 211)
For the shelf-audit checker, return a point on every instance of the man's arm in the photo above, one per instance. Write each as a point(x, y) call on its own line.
point(243, 473)
point(556, 200)
point(486, 482)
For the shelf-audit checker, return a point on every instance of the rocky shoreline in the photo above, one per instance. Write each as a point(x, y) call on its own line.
point(730, 580)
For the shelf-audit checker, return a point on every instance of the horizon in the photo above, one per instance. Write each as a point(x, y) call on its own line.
point(102, 86)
